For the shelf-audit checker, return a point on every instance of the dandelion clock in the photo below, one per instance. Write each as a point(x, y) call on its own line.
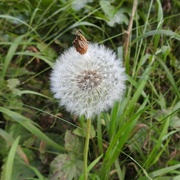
point(87, 84)
point(87, 79)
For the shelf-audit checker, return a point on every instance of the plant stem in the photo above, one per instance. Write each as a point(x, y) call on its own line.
point(128, 36)
point(86, 148)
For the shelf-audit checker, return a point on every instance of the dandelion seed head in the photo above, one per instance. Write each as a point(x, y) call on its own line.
point(88, 84)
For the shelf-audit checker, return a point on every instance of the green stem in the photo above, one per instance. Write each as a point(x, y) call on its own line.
point(86, 148)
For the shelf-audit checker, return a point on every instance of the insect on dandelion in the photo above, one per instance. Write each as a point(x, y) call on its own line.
point(80, 43)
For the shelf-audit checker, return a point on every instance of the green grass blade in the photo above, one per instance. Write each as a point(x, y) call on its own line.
point(34, 93)
point(118, 142)
point(171, 78)
point(163, 171)
point(10, 160)
point(38, 174)
point(19, 20)
point(36, 55)
point(10, 54)
point(155, 32)
point(91, 166)
point(154, 154)
point(28, 124)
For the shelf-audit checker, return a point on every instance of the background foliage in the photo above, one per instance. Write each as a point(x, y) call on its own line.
point(138, 139)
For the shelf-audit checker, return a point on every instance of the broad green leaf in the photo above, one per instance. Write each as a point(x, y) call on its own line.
point(72, 143)
point(13, 83)
point(118, 18)
point(175, 122)
point(108, 9)
point(112, 15)
point(65, 166)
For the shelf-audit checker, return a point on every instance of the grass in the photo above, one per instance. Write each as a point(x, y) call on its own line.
point(137, 139)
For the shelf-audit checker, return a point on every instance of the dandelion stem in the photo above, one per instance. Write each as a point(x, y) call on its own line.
point(86, 148)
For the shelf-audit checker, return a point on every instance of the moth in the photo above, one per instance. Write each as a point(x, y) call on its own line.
point(80, 43)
